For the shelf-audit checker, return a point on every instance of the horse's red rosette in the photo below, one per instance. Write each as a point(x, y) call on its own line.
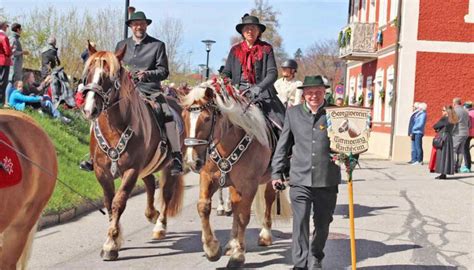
point(10, 168)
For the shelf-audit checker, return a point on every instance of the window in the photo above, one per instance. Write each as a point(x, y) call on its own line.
point(369, 93)
point(372, 6)
point(383, 13)
point(356, 11)
point(389, 93)
point(360, 90)
point(363, 13)
point(352, 94)
point(469, 18)
point(393, 9)
point(377, 96)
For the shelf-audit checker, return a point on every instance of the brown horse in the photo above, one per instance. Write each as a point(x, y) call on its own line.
point(126, 142)
point(222, 130)
point(21, 204)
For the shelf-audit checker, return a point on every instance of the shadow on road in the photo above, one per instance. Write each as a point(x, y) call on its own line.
point(359, 210)
point(408, 267)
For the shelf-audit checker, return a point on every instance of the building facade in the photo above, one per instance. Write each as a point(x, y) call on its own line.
point(402, 51)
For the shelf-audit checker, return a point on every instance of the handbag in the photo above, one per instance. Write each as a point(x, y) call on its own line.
point(438, 140)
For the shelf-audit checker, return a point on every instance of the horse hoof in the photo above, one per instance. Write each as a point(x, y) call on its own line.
point(109, 255)
point(159, 235)
point(236, 261)
point(220, 212)
point(228, 213)
point(216, 257)
point(153, 218)
point(263, 242)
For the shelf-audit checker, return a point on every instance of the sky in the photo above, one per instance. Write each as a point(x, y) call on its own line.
point(302, 22)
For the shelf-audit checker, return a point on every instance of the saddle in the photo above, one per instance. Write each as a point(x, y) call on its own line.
point(160, 116)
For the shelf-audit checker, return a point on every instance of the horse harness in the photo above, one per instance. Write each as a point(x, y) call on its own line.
point(223, 164)
point(113, 153)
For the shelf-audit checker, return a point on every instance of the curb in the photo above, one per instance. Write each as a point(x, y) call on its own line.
point(46, 221)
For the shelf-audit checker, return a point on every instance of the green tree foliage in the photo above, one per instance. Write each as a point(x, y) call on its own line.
point(72, 29)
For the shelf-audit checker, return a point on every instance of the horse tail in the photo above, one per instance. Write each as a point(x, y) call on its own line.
point(259, 204)
point(172, 191)
point(25, 255)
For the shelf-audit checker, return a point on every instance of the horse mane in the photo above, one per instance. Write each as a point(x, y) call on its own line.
point(233, 106)
point(99, 59)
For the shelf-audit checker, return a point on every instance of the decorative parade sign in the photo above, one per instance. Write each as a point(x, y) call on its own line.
point(10, 169)
point(348, 129)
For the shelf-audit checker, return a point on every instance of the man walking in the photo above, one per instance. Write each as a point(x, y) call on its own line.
point(17, 53)
point(314, 177)
point(5, 60)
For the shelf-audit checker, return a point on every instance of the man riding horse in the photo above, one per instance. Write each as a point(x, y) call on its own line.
point(146, 59)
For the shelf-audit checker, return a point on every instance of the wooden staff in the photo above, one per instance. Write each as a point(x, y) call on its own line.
point(349, 169)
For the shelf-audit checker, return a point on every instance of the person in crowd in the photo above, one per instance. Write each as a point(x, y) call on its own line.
point(17, 53)
point(314, 177)
point(413, 115)
point(339, 102)
point(445, 161)
point(251, 65)
point(148, 62)
point(417, 133)
point(19, 100)
point(467, 146)
point(32, 87)
point(5, 60)
point(461, 131)
point(49, 57)
point(287, 85)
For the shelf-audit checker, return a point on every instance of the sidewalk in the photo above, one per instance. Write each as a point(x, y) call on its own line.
point(405, 219)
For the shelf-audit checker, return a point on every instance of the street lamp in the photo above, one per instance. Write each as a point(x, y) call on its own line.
point(201, 69)
point(208, 43)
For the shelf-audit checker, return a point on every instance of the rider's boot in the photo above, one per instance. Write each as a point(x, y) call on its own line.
point(87, 165)
point(173, 137)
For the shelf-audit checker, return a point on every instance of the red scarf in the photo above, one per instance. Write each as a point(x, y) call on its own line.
point(249, 56)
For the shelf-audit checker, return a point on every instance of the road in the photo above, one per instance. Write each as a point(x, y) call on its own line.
point(404, 220)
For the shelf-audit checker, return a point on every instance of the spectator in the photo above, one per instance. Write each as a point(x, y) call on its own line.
point(17, 53)
point(410, 130)
point(445, 161)
point(49, 57)
point(5, 60)
point(417, 132)
point(460, 132)
point(339, 102)
point(467, 145)
point(221, 69)
point(32, 87)
point(18, 100)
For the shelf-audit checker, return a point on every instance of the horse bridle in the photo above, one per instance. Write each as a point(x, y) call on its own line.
point(104, 95)
point(191, 142)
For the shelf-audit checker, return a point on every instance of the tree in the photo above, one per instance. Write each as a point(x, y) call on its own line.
point(322, 58)
point(170, 31)
point(72, 29)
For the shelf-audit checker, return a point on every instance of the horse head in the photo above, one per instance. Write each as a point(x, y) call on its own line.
point(101, 81)
point(199, 114)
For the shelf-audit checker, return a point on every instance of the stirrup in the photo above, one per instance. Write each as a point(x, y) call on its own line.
point(176, 164)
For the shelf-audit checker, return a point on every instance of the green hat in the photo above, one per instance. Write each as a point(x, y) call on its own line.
point(311, 81)
point(136, 16)
point(250, 20)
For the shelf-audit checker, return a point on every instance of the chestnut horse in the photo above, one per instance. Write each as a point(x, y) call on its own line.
point(126, 142)
point(222, 130)
point(21, 204)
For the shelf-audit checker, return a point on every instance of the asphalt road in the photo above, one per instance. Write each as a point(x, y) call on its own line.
point(404, 220)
